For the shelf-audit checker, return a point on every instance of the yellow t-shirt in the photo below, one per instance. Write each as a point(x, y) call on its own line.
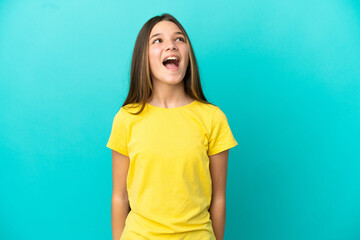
point(169, 182)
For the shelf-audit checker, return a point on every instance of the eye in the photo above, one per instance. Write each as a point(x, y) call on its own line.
point(156, 40)
point(181, 39)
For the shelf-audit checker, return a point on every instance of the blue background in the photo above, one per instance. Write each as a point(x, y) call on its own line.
point(285, 73)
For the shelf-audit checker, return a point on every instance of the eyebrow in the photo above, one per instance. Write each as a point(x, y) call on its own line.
point(157, 34)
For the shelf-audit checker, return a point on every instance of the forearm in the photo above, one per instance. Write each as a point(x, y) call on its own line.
point(119, 210)
point(218, 214)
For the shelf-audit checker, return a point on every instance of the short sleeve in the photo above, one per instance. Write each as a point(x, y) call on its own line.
point(220, 137)
point(118, 136)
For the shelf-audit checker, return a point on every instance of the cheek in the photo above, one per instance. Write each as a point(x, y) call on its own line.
point(154, 60)
point(154, 55)
point(185, 53)
point(187, 59)
point(151, 57)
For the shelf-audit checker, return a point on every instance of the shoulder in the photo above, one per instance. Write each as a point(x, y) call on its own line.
point(206, 106)
point(130, 108)
point(127, 113)
point(209, 109)
point(124, 112)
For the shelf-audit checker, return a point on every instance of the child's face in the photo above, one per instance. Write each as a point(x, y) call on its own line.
point(167, 42)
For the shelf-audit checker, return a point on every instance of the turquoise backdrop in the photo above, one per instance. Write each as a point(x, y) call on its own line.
point(285, 73)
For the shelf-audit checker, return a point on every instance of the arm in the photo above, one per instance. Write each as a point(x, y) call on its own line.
point(119, 202)
point(218, 170)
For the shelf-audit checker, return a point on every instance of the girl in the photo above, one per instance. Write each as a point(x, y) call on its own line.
point(169, 145)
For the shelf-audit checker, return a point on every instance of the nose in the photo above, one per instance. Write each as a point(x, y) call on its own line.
point(171, 45)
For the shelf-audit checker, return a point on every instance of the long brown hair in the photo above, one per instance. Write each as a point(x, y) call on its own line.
point(141, 86)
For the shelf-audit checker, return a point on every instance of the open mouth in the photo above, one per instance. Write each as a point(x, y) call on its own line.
point(172, 63)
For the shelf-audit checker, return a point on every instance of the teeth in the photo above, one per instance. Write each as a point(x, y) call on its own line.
point(171, 58)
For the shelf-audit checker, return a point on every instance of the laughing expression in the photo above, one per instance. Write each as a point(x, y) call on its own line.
point(168, 53)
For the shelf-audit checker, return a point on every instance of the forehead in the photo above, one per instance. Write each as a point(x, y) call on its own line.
point(165, 27)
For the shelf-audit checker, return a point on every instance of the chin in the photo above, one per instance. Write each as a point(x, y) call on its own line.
point(173, 81)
